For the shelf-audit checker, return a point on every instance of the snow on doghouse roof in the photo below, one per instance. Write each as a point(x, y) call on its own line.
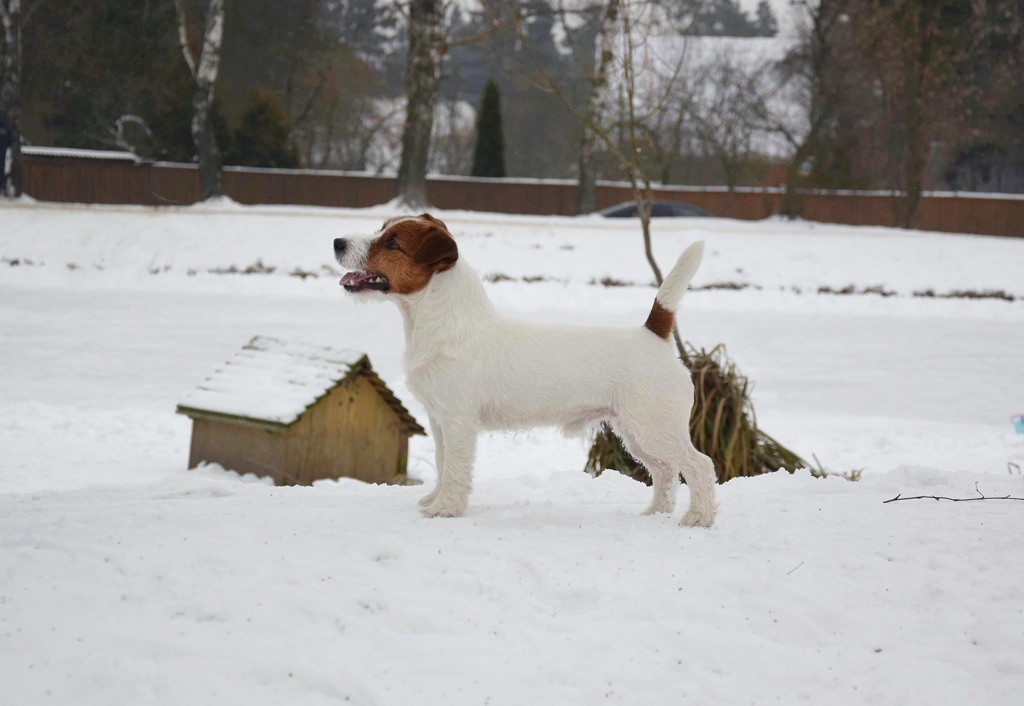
point(271, 382)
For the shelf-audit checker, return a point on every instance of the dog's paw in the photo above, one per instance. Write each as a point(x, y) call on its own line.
point(659, 506)
point(695, 518)
point(428, 498)
point(443, 509)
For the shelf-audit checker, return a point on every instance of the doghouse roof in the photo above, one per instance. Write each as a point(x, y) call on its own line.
point(270, 383)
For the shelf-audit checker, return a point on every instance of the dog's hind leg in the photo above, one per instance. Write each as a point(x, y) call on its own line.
point(455, 481)
point(699, 473)
point(666, 485)
point(675, 450)
point(435, 431)
point(665, 478)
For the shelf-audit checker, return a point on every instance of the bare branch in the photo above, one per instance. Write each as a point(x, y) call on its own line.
point(213, 36)
point(496, 26)
point(308, 108)
point(179, 6)
point(119, 130)
point(981, 496)
point(402, 9)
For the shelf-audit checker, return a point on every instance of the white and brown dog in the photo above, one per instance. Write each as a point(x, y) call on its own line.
point(475, 370)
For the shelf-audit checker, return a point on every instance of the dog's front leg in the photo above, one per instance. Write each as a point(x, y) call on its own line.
point(435, 431)
point(455, 480)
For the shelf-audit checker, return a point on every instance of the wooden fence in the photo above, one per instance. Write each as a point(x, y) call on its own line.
point(78, 179)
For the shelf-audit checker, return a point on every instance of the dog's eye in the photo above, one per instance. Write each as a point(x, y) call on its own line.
point(392, 243)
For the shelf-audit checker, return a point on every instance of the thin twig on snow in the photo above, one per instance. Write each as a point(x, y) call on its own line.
point(981, 496)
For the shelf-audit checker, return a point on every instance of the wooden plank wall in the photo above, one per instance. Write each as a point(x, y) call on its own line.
point(238, 448)
point(78, 180)
point(351, 432)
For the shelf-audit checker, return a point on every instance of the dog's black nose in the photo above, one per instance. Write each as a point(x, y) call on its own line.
point(339, 246)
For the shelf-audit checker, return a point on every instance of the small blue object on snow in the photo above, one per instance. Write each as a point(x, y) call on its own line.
point(1018, 424)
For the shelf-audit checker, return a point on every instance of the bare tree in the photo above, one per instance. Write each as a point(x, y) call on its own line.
point(347, 131)
point(454, 138)
point(812, 72)
point(592, 33)
point(725, 113)
point(204, 71)
point(632, 160)
point(889, 86)
point(426, 48)
point(13, 16)
point(624, 51)
point(918, 53)
point(586, 200)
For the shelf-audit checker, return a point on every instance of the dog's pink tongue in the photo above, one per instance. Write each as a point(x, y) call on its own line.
point(348, 278)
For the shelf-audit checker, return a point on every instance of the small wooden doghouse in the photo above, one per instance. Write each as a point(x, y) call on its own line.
point(299, 413)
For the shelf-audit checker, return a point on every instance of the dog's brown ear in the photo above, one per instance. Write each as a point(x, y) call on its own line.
point(435, 221)
point(437, 248)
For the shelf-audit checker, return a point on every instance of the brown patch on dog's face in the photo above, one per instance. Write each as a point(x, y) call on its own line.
point(410, 251)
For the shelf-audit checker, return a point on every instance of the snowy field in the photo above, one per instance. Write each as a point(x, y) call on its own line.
point(125, 578)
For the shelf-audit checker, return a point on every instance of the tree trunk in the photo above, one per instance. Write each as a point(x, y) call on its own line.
point(586, 199)
point(426, 34)
point(205, 73)
point(914, 159)
point(10, 94)
point(207, 152)
point(921, 68)
point(824, 97)
point(791, 206)
point(586, 191)
point(914, 166)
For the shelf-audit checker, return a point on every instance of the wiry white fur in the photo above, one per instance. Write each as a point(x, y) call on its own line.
point(357, 250)
point(474, 369)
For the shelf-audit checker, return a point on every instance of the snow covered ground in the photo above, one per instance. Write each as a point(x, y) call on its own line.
point(124, 578)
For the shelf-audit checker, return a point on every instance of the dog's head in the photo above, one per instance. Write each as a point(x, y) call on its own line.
point(400, 258)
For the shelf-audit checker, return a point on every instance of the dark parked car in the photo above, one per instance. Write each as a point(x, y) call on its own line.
point(659, 209)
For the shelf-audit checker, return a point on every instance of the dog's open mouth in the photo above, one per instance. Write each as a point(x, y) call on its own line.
point(362, 281)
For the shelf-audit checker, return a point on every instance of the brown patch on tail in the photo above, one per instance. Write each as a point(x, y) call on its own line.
point(660, 321)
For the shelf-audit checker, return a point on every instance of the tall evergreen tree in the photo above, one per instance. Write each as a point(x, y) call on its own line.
point(263, 137)
point(767, 25)
point(489, 158)
point(719, 18)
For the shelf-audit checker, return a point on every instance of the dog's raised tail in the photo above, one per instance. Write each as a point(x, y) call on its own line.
point(662, 318)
